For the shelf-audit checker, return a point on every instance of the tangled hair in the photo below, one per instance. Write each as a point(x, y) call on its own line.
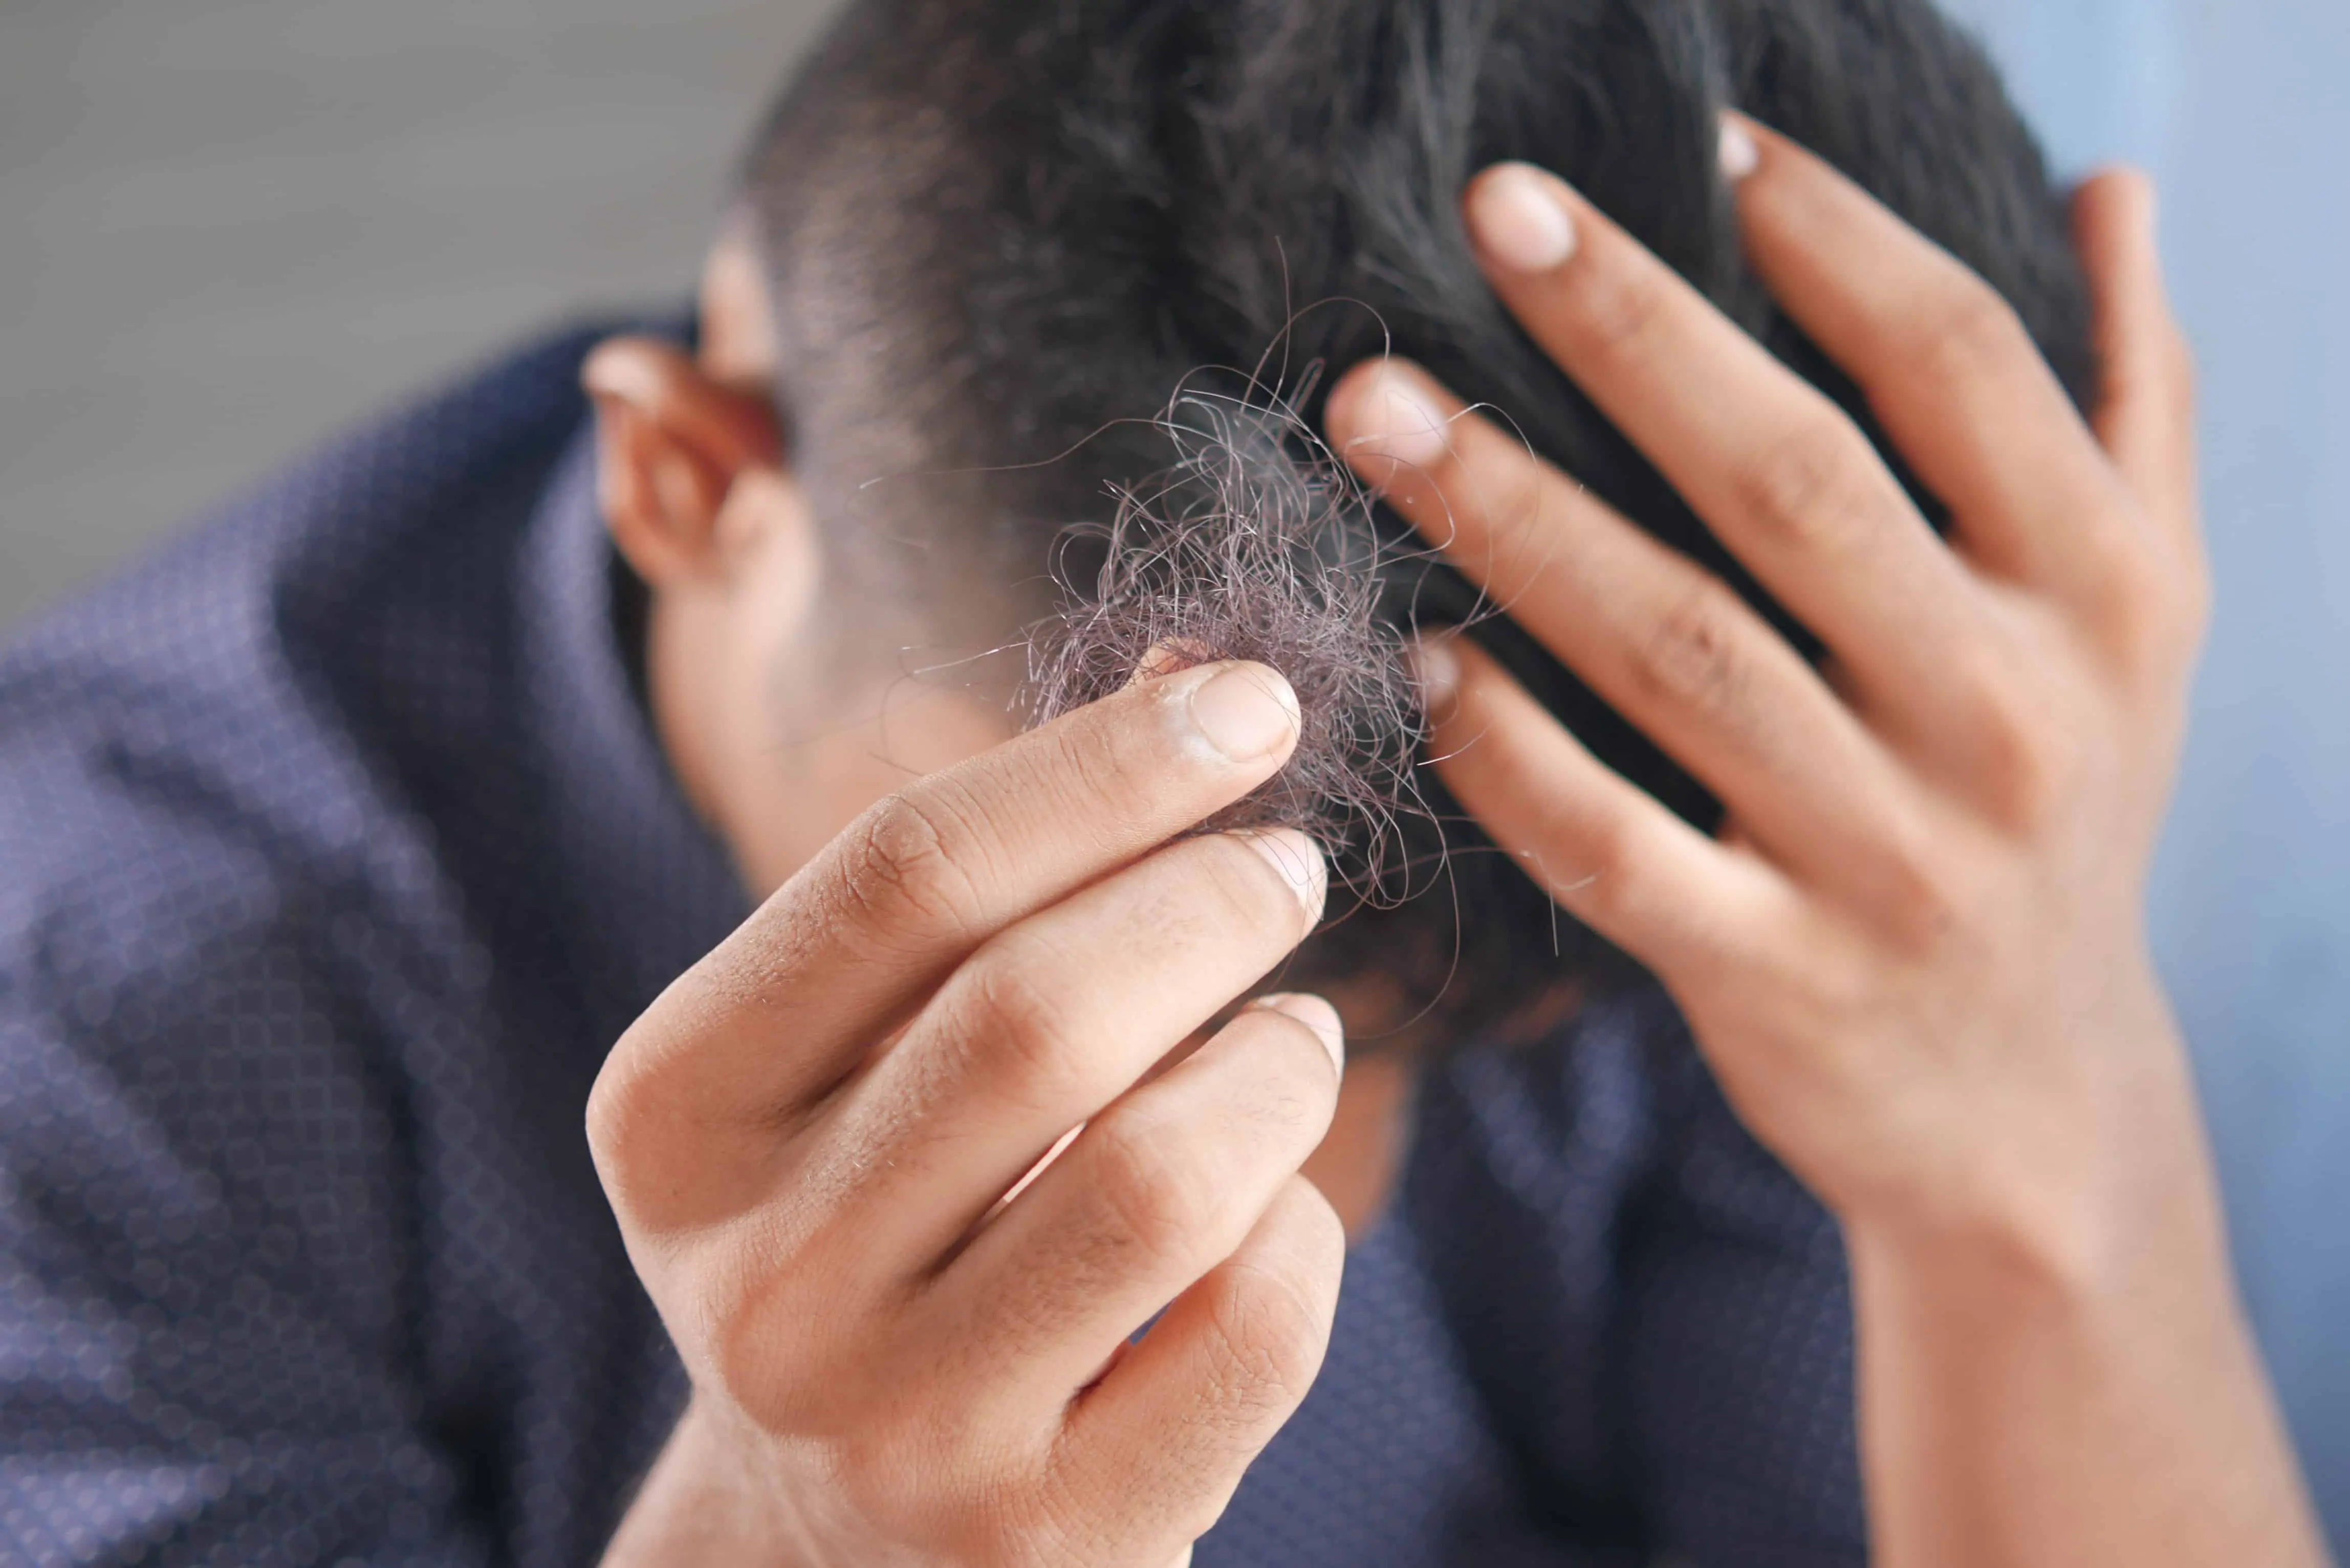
point(996, 231)
point(1255, 542)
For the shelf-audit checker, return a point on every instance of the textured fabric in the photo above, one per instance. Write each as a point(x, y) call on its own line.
point(335, 851)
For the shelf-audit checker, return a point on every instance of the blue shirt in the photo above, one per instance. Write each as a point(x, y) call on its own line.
point(335, 850)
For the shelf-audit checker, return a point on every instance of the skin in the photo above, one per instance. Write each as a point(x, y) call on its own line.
point(1915, 956)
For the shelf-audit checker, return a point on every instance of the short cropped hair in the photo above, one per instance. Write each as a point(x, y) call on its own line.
point(999, 233)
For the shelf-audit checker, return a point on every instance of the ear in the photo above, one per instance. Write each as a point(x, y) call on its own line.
point(673, 444)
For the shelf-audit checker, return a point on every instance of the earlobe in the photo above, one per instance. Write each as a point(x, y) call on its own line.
point(672, 444)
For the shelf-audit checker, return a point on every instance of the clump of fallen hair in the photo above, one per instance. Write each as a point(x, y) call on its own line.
point(1255, 542)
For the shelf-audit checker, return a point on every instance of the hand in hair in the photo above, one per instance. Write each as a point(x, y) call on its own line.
point(1915, 955)
point(810, 1138)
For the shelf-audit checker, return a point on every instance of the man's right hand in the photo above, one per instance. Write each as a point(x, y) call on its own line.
point(809, 1139)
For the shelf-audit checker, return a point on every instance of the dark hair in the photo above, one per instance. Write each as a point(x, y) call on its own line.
point(1003, 232)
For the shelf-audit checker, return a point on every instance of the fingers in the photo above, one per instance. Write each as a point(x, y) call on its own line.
point(1784, 480)
point(1606, 850)
point(1946, 365)
point(1669, 645)
point(1172, 1430)
point(1156, 1191)
point(1050, 1020)
point(783, 1010)
point(2146, 403)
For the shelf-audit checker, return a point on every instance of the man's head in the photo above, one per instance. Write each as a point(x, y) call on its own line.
point(981, 240)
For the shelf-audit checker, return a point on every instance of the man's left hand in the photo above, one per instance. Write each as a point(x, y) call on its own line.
point(1915, 955)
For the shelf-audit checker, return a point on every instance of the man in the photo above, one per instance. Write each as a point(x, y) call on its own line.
point(347, 836)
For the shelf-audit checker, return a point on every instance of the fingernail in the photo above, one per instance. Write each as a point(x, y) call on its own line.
point(1315, 1014)
point(1246, 712)
point(1515, 215)
point(1299, 860)
point(1393, 420)
point(1739, 153)
point(1436, 670)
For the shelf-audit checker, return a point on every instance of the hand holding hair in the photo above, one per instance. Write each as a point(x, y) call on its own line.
point(1914, 954)
point(809, 1139)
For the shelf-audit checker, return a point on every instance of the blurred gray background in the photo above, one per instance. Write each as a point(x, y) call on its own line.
point(229, 226)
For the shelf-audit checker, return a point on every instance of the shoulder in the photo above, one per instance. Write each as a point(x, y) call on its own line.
point(185, 759)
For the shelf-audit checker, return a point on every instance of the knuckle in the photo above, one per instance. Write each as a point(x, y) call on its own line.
point(1275, 1092)
point(2179, 595)
point(2028, 780)
point(2140, 601)
point(1014, 1027)
point(2022, 771)
point(1107, 767)
point(1265, 1345)
point(1152, 1187)
point(1595, 878)
point(634, 1132)
point(1514, 494)
point(745, 1364)
point(2026, 777)
point(614, 1119)
point(1970, 334)
point(1916, 886)
point(2149, 606)
point(1811, 491)
point(910, 861)
point(1621, 311)
point(755, 1344)
point(1691, 657)
point(885, 1465)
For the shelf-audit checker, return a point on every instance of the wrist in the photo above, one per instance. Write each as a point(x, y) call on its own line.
point(2060, 1371)
point(2014, 1414)
point(2086, 1180)
point(703, 1501)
